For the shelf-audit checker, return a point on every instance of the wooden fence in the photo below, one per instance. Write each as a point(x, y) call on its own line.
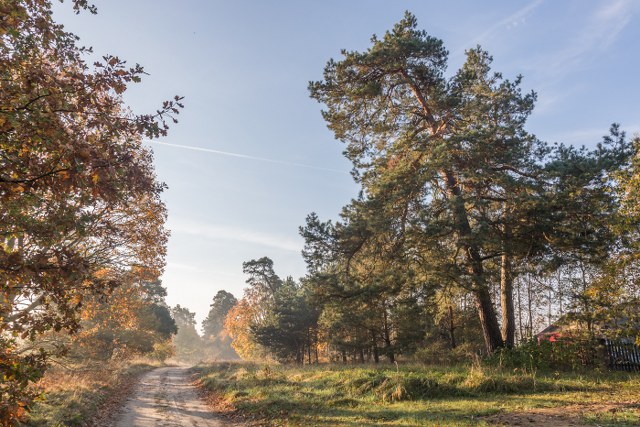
point(621, 355)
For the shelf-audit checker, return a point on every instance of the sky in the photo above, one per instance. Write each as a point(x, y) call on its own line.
point(251, 156)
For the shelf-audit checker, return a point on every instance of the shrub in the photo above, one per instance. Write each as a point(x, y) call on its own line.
point(439, 352)
point(163, 350)
point(570, 353)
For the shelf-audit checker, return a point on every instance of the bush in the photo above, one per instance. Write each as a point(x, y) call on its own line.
point(162, 351)
point(480, 381)
point(439, 352)
point(570, 353)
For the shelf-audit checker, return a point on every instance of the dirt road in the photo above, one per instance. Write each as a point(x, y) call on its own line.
point(165, 398)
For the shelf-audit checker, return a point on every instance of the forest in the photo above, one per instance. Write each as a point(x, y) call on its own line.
point(468, 236)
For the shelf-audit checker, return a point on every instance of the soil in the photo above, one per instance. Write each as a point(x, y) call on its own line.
point(567, 416)
point(166, 397)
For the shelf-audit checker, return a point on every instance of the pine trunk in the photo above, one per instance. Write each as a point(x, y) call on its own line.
point(387, 340)
point(452, 328)
point(488, 320)
point(374, 345)
point(506, 302)
point(506, 284)
point(484, 304)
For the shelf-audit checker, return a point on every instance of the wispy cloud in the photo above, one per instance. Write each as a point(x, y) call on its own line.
point(614, 16)
point(235, 234)
point(245, 156)
point(210, 272)
point(600, 31)
point(512, 21)
point(184, 267)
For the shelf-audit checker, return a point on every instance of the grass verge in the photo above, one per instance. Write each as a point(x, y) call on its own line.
point(85, 394)
point(418, 395)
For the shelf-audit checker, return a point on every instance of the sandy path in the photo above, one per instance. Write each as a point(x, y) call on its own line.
point(165, 398)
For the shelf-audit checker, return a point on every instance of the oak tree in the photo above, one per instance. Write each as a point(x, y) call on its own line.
point(80, 208)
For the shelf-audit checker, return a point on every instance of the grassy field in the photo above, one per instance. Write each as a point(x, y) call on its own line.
point(81, 395)
point(331, 395)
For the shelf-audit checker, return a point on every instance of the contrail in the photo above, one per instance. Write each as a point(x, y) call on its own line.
point(245, 156)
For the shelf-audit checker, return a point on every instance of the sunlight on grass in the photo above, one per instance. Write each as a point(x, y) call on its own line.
point(416, 395)
point(72, 394)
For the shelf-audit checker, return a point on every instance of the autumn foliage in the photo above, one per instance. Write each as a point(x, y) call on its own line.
point(80, 212)
point(238, 324)
point(132, 320)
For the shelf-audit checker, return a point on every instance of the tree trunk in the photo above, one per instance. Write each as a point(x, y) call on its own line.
point(452, 328)
point(585, 301)
point(484, 304)
point(374, 346)
point(11, 294)
point(488, 320)
point(315, 344)
point(549, 306)
point(521, 335)
point(530, 306)
point(506, 298)
point(387, 340)
point(560, 293)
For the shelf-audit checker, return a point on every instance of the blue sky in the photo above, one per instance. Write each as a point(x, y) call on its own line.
point(262, 158)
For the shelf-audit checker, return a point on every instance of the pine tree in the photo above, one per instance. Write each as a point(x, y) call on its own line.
point(438, 159)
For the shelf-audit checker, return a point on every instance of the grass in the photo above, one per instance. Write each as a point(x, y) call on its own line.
point(420, 395)
point(75, 395)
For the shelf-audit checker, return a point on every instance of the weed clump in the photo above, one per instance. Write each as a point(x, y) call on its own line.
point(482, 381)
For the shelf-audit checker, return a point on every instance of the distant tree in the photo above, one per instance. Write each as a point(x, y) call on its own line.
point(345, 330)
point(156, 314)
point(238, 326)
point(254, 307)
point(213, 324)
point(262, 280)
point(275, 318)
point(80, 207)
point(217, 340)
point(354, 312)
point(188, 344)
point(628, 266)
point(157, 317)
point(606, 255)
point(289, 331)
point(131, 320)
